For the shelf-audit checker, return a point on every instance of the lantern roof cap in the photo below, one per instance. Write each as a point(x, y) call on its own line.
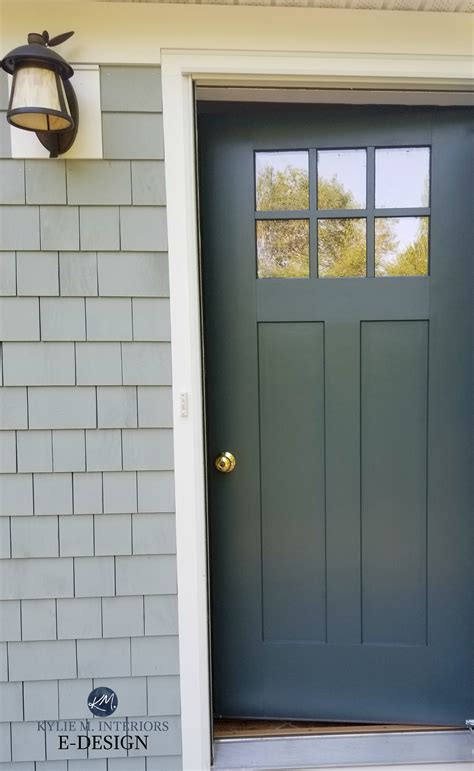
point(38, 50)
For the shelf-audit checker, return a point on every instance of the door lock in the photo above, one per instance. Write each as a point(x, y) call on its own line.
point(225, 462)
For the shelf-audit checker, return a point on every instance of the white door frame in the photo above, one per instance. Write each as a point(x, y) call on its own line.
point(180, 69)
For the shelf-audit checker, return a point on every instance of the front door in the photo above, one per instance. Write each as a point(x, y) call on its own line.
point(337, 317)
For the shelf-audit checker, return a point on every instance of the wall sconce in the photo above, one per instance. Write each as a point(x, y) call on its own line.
point(42, 98)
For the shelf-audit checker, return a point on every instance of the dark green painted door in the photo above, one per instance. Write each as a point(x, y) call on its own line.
point(336, 260)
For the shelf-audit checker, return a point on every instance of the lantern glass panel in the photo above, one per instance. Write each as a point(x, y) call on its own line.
point(38, 102)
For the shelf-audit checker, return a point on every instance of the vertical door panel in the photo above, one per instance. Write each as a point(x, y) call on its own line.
point(291, 368)
point(343, 481)
point(394, 407)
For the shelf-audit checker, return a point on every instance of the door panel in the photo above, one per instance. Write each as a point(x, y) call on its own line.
point(343, 482)
point(292, 443)
point(340, 545)
point(394, 409)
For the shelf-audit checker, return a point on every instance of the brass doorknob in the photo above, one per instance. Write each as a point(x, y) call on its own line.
point(225, 462)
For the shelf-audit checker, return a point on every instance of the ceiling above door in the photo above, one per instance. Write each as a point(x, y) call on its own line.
point(452, 6)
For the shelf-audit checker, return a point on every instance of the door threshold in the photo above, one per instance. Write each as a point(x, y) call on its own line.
point(343, 751)
point(241, 728)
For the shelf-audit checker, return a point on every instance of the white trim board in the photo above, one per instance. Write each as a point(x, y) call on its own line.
point(180, 69)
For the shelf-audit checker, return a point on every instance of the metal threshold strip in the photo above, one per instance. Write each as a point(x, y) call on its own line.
point(329, 751)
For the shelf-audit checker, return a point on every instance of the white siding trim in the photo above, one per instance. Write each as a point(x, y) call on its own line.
point(189, 437)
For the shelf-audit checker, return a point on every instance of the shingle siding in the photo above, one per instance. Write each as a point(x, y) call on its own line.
point(37, 273)
point(87, 529)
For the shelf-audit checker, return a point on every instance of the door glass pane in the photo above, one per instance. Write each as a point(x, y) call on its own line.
point(281, 181)
point(341, 247)
point(342, 179)
point(401, 246)
point(402, 177)
point(283, 248)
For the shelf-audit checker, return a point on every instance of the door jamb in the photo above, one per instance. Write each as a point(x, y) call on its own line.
point(180, 70)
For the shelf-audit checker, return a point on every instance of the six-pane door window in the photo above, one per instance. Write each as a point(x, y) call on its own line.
point(342, 212)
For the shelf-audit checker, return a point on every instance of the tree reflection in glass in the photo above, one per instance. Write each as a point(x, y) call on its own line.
point(401, 243)
point(283, 248)
point(408, 252)
point(341, 247)
point(282, 181)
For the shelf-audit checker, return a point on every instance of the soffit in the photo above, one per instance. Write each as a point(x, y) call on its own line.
point(446, 6)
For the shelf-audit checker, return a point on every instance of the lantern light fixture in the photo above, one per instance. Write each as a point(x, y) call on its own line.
point(42, 98)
